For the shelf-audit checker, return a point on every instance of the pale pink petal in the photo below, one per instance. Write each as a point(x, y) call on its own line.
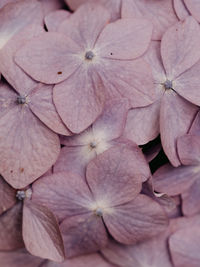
point(159, 12)
point(191, 199)
point(41, 232)
point(122, 166)
point(130, 79)
point(9, 259)
point(124, 39)
point(181, 9)
point(188, 84)
point(11, 228)
point(179, 47)
point(89, 260)
point(142, 124)
point(15, 16)
point(49, 58)
point(5, 2)
point(65, 194)
point(174, 181)
point(51, 5)
point(40, 146)
point(55, 18)
point(176, 117)
point(10, 70)
point(89, 20)
point(83, 234)
point(7, 196)
point(189, 150)
point(41, 101)
point(79, 100)
point(137, 220)
point(194, 8)
point(112, 121)
point(184, 247)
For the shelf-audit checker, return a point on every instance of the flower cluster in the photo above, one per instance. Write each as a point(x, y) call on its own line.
point(99, 133)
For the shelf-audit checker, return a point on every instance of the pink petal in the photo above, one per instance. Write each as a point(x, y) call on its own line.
point(83, 234)
point(9, 259)
point(189, 149)
point(159, 12)
point(90, 260)
point(188, 84)
point(191, 199)
point(194, 7)
point(41, 232)
point(119, 167)
point(5, 2)
point(179, 47)
point(174, 181)
point(112, 121)
point(39, 144)
point(180, 9)
point(15, 16)
point(184, 246)
point(177, 115)
point(139, 219)
point(89, 20)
point(49, 58)
point(13, 73)
point(51, 5)
point(11, 229)
point(41, 100)
point(142, 124)
point(65, 194)
point(7, 196)
point(130, 79)
point(79, 100)
point(124, 39)
point(195, 127)
point(54, 19)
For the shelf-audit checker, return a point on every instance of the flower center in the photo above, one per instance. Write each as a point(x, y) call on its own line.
point(89, 55)
point(168, 85)
point(98, 212)
point(20, 195)
point(21, 100)
point(93, 145)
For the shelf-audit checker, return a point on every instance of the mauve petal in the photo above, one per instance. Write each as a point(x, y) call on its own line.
point(176, 114)
point(39, 144)
point(79, 100)
point(174, 181)
point(122, 166)
point(179, 47)
point(112, 121)
point(189, 150)
point(194, 8)
point(195, 127)
point(41, 101)
point(5, 2)
point(131, 79)
point(15, 16)
point(54, 19)
point(159, 12)
point(191, 199)
point(10, 70)
point(49, 58)
point(83, 234)
point(7, 196)
point(89, 20)
point(51, 5)
point(65, 194)
point(184, 247)
point(22, 257)
point(180, 9)
point(152, 152)
point(188, 84)
point(137, 220)
point(11, 228)
point(124, 39)
point(142, 124)
point(74, 159)
point(41, 232)
point(90, 260)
